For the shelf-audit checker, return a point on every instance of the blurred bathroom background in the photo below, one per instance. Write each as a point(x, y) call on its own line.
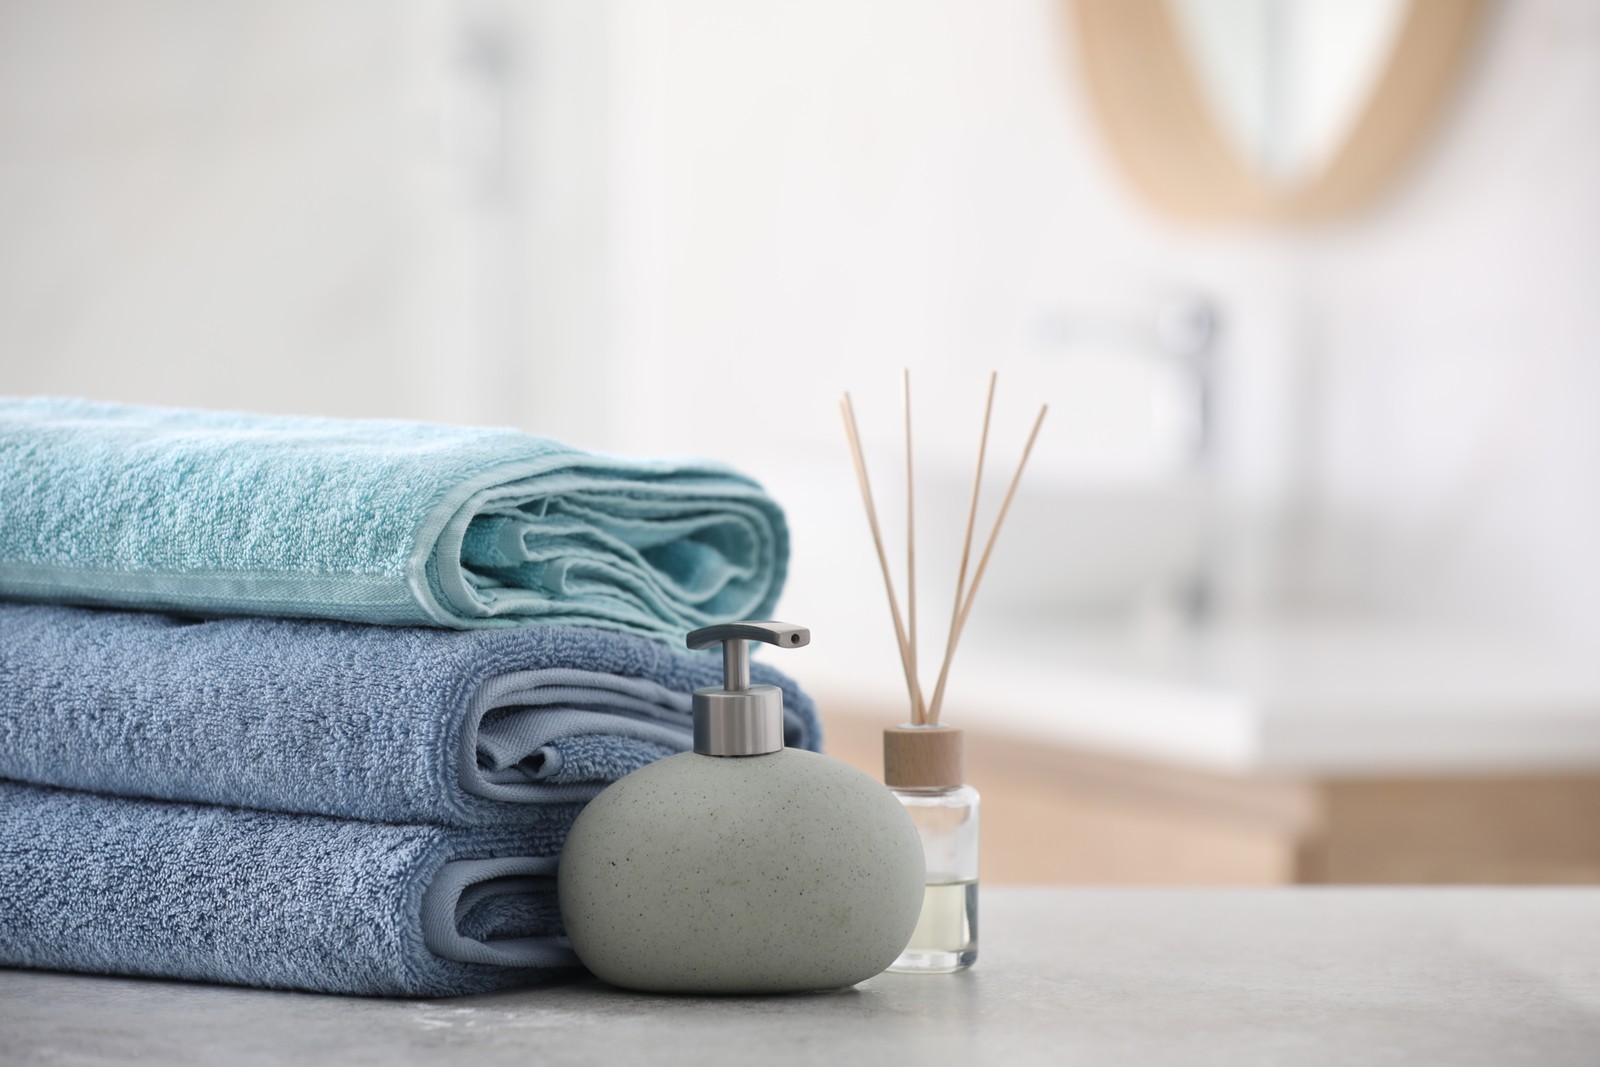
point(1302, 582)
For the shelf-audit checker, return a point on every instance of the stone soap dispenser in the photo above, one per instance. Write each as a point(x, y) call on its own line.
point(743, 866)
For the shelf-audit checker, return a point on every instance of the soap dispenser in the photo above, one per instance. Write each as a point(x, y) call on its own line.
point(743, 866)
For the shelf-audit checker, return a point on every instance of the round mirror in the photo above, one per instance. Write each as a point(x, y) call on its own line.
point(1285, 109)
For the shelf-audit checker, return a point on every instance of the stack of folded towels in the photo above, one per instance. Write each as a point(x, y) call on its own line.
point(311, 704)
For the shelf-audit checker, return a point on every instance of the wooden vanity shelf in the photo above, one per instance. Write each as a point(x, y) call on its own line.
point(1060, 815)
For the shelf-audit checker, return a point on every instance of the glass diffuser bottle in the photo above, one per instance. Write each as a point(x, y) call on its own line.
point(922, 767)
point(922, 759)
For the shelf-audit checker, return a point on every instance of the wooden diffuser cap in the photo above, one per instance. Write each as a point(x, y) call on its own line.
point(922, 757)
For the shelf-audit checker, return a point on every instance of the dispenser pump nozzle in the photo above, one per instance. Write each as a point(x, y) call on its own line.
point(741, 719)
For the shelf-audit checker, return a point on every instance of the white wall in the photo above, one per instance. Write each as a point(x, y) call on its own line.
point(1456, 343)
point(207, 204)
point(809, 196)
point(706, 218)
point(303, 206)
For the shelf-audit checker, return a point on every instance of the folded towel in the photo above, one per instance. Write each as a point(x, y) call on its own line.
point(111, 885)
point(397, 724)
point(380, 522)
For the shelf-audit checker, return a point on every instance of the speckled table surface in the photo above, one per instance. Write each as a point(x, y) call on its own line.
point(1141, 976)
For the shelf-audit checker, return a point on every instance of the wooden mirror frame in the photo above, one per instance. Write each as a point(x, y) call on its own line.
point(1156, 118)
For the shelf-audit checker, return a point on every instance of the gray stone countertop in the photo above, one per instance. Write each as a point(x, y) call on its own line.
point(1065, 976)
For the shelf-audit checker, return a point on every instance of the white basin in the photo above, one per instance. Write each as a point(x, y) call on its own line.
point(1339, 697)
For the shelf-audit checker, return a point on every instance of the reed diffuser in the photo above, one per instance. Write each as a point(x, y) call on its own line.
point(922, 759)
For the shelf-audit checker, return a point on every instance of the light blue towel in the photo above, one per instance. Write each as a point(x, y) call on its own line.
point(382, 522)
point(118, 886)
point(385, 723)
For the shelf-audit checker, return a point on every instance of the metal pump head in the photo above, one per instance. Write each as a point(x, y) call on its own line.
point(741, 719)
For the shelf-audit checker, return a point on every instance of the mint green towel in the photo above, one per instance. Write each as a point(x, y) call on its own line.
point(399, 523)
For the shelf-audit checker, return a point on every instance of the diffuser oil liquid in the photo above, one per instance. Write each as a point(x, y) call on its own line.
point(946, 937)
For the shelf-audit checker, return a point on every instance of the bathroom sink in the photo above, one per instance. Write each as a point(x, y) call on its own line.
point(1051, 655)
point(1081, 547)
point(1301, 695)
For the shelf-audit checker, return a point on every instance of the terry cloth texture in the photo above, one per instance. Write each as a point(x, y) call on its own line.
point(119, 886)
point(398, 523)
point(391, 724)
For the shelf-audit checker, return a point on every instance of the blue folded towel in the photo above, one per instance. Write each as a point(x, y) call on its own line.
point(382, 522)
point(383, 723)
point(112, 885)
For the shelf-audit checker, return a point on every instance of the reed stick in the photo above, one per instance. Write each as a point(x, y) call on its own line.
point(913, 688)
point(920, 712)
point(983, 562)
point(966, 549)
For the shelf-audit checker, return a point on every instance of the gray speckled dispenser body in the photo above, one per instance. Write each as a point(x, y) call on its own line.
point(772, 873)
